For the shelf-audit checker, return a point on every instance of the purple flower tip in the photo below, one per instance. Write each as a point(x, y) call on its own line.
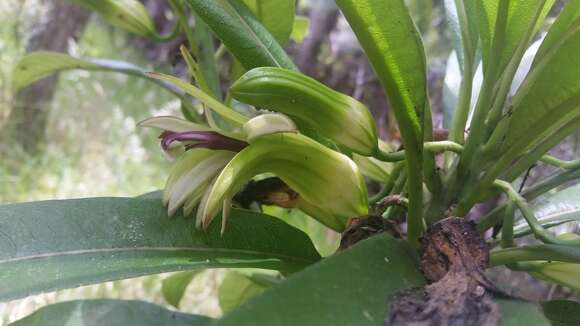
point(203, 139)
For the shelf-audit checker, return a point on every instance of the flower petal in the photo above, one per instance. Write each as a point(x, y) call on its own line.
point(319, 174)
point(184, 164)
point(190, 182)
point(269, 123)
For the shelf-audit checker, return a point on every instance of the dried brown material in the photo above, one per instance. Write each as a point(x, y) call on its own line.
point(453, 245)
point(397, 200)
point(365, 227)
point(269, 191)
point(454, 258)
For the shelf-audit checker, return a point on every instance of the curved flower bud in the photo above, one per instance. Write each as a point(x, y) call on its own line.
point(328, 181)
point(311, 104)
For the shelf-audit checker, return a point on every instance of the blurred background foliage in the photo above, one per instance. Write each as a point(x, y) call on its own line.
point(81, 140)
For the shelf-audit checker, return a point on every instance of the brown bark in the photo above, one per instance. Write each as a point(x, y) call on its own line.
point(453, 260)
point(26, 124)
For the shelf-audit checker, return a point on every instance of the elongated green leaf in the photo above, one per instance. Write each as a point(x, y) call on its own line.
point(393, 46)
point(38, 65)
point(353, 287)
point(242, 33)
point(501, 32)
point(109, 312)
point(205, 98)
point(54, 245)
point(238, 288)
point(390, 40)
point(562, 205)
point(173, 287)
point(568, 18)
point(462, 20)
point(276, 15)
point(204, 50)
point(129, 15)
point(562, 312)
point(549, 97)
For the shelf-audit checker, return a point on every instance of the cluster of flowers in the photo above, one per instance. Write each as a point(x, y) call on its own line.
point(212, 164)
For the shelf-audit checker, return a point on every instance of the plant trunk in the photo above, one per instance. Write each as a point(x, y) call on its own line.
point(28, 118)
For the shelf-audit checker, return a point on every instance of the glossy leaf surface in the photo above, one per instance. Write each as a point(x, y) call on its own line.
point(549, 97)
point(350, 288)
point(390, 40)
point(502, 28)
point(353, 287)
point(53, 245)
point(567, 19)
point(242, 33)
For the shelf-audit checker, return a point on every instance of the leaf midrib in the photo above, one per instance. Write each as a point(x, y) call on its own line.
point(252, 33)
point(158, 249)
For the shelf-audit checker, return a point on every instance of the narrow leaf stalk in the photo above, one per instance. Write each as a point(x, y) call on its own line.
point(539, 232)
point(434, 147)
point(507, 230)
point(534, 253)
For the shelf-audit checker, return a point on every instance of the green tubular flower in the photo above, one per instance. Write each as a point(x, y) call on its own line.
point(328, 182)
point(312, 105)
